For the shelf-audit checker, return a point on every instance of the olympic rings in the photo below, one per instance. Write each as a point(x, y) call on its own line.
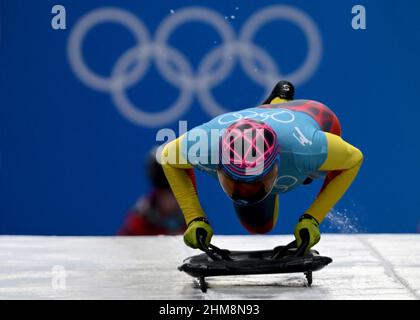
point(232, 117)
point(190, 82)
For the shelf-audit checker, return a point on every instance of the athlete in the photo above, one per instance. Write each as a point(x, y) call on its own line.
point(258, 154)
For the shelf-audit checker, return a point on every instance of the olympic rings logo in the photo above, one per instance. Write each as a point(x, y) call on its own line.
point(174, 66)
point(263, 116)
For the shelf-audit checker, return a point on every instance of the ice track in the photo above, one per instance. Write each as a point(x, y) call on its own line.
point(364, 267)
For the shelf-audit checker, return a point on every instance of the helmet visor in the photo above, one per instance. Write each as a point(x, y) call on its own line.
point(248, 192)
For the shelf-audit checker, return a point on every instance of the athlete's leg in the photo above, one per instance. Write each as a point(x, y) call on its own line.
point(343, 163)
point(261, 217)
point(328, 121)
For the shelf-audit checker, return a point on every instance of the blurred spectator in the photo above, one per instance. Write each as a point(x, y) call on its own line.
point(157, 212)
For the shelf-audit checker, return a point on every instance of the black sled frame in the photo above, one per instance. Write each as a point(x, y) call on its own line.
point(281, 259)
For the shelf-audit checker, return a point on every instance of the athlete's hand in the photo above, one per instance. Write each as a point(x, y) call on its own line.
point(309, 223)
point(191, 235)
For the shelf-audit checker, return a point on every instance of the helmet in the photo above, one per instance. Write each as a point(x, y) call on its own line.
point(249, 154)
point(155, 171)
point(283, 89)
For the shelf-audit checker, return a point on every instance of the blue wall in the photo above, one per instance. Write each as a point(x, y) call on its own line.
point(71, 162)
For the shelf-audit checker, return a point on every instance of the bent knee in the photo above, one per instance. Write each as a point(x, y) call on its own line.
point(355, 156)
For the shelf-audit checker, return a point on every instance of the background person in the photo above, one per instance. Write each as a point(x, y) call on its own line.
point(156, 213)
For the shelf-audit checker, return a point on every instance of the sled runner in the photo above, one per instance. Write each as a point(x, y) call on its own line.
point(282, 259)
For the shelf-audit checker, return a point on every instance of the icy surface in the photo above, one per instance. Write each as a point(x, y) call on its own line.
point(364, 267)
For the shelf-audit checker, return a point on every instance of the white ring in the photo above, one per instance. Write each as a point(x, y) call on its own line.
point(84, 25)
point(303, 21)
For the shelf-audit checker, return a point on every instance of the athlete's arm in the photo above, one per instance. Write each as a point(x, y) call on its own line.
point(181, 178)
point(343, 163)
